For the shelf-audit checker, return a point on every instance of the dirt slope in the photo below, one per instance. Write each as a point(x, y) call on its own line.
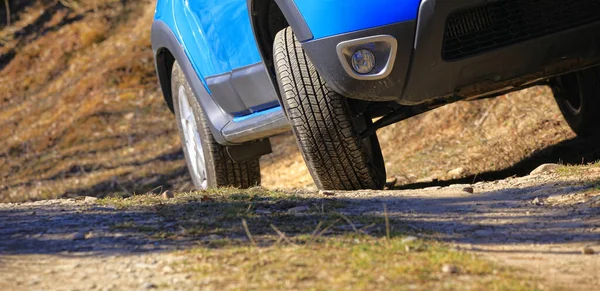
point(80, 109)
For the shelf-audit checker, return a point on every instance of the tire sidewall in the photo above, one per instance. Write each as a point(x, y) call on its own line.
point(583, 120)
point(310, 122)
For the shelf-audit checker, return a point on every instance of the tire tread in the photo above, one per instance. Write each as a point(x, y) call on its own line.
point(321, 120)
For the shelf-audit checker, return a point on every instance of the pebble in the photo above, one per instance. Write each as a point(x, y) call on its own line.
point(326, 193)
point(469, 190)
point(90, 199)
point(168, 195)
point(298, 209)
point(456, 186)
point(78, 236)
point(587, 251)
point(537, 201)
point(168, 270)
point(450, 269)
point(544, 169)
point(149, 285)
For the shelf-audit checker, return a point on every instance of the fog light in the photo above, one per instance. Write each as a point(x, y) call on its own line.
point(363, 61)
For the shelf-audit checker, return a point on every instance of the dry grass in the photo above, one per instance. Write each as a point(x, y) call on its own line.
point(350, 263)
point(249, 240)
point(81, 111)
point(81, 114)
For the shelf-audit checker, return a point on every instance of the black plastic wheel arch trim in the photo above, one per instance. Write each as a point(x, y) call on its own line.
point(244, 90)
point(221, 123)
point(295, 19)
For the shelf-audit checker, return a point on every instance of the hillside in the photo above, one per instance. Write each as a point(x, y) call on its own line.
point(81, 114)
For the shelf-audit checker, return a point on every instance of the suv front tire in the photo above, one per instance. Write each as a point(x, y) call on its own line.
point(326, 128)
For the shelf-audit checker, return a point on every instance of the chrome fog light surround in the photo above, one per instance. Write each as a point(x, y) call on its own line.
point(383, 50)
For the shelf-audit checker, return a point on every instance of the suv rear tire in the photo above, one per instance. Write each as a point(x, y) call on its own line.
point(578, 97)
point(208, 162)
point(326, 129)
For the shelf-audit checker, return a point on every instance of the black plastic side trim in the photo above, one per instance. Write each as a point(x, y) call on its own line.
point(253, 84)
point(324, 56)
point(220, 87)
point(243, 90)
point(295, 19)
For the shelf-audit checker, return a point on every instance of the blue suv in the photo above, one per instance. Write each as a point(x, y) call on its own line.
point(236, 72)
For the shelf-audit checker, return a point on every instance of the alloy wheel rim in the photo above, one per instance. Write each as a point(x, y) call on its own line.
point(191, 140)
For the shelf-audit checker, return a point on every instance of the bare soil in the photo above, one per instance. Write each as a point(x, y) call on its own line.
point(538, 223)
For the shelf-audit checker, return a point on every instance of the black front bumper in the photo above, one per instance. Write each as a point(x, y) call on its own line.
point(424, 70)
point(323, 54)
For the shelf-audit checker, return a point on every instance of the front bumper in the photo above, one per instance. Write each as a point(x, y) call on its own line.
point(324, 55)
point(423, 70)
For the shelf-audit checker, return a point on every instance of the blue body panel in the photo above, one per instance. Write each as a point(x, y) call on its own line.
point(215, 34)
point(331, 17)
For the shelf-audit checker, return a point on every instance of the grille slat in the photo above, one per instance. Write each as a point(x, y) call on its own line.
point(501, 23)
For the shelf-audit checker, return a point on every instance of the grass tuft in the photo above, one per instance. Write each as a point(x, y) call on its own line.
point(357, 263)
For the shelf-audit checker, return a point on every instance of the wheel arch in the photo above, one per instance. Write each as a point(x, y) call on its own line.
point(164, 65)
point(167, 50)
point(267, 17)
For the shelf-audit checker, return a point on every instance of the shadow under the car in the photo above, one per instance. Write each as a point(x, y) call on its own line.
point(499, 216)
point(576, 151)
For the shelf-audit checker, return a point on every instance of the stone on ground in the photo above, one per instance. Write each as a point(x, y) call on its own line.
point(544, 169)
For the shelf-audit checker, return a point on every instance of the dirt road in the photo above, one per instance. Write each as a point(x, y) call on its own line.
point(538, 223)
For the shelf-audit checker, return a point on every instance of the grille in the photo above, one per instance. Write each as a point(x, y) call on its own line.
point(505, 22)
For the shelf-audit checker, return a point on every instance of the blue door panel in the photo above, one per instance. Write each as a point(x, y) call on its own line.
point(330, 17)
point(216, 34)
point(199, 37)
point(235, 32)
